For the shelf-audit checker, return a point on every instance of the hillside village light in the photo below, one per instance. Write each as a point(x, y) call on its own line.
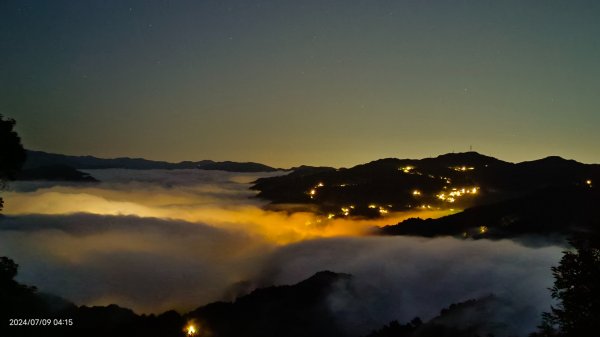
point(191, 330)
point(462, 168)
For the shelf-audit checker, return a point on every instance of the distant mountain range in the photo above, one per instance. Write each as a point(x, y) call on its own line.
point(54, 173)
point(501, 199)
point(50, 166)
point(37, 159)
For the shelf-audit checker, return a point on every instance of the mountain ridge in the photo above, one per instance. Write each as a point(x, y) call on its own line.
point(448, 181)
point(37, 159)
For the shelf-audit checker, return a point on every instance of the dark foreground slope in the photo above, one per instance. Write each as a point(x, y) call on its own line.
point(298, 310)
point(302, 309)
point(472, 318)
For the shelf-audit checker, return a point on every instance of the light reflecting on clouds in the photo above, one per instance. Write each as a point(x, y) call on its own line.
point(157, 240)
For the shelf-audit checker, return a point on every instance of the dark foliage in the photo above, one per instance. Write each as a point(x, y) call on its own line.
point(577, 290)
point(12, 154)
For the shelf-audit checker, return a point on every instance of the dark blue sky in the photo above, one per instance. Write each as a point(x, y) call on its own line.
point(303, 82)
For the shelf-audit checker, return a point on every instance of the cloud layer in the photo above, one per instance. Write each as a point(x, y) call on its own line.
point(156, 240)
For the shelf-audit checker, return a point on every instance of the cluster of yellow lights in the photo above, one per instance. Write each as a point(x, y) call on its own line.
point(313, 191)
point(448, 181)
point(345, 211)
point(425, 206)
point(409, 170)
point(382, 210)
point(462, 168)
point(416, 192)
point(480, 230)
point(455, 193)
point(588, 182)
point(406, 169)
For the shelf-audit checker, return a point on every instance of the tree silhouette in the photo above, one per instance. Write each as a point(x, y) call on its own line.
point(8, 269)
point(12, 154)
point(577, 290)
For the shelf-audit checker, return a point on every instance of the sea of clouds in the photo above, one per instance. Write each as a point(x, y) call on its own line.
point(157, 240)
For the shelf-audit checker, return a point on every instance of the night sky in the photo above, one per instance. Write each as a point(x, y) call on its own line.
point(303, 82)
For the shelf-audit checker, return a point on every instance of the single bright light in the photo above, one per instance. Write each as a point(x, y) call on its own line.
point(191, 330)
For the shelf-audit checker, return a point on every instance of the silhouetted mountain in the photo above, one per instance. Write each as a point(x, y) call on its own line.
point(472, 318)
point(55, 173)
point(40, 159)
point(560, 211)
point(303, 309)
point(237, 167)
point(298, 310)
point(40, 314)
point(457, 180)
point(36, 159)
